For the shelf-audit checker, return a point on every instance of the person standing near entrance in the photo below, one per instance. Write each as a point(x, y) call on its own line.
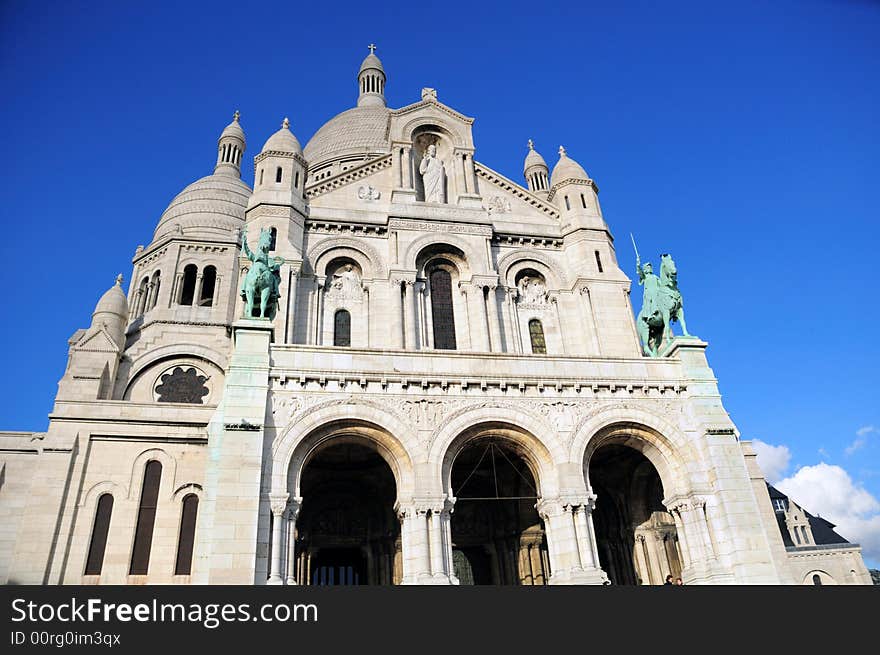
point(668, 580)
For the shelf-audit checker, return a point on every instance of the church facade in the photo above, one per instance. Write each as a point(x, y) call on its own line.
point(439, 380)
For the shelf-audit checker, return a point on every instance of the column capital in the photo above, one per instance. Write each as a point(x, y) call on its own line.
point(278, 503)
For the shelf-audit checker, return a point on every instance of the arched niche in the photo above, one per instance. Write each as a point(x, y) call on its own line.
point(423, 137)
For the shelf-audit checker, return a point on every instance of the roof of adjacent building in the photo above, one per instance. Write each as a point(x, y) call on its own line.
point(823, 530)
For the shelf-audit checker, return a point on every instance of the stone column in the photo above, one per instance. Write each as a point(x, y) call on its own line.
point(513, 318)
point(410, 315)
point(396, 314)
point(477, 317)
point(178, 289)
point(278, 504)
point(429, 317)
point(494, 325)
point(407, 168)
point(573, 555)
point(464, 174)
point(216, 297)
point(292, 515)
point(197, 297)
point(591, 335)
point(471, 173)
point(642, 569)
point(319, 310)
point(151, 295)
point(292, 284)
point(367, 289)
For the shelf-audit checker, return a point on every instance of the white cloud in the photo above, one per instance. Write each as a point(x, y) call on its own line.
point(773, 460)
point(828, 491)
point(861, 438)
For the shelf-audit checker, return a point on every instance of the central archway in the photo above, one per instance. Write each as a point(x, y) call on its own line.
point(635, 534)
point(347, 530)
point(497, 536)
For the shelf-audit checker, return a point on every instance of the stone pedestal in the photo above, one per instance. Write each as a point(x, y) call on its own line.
point(235, 446)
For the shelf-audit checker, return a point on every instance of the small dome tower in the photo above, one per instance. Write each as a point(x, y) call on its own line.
point(230, 148)
point(371, 81)
point(111, 312)
point(575, 194)
point(536, 172)
point(280, 181)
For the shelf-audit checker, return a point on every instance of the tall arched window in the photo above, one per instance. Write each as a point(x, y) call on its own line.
point(209, 281)
point(278, 175)
point(536, 334)
point(155, 297)
point(98, 544)
point(342, 328)
point(143, 290)
point(146, 519)
point(186, 539)
point(188, 292)
point(441, 309)
point(273, 236)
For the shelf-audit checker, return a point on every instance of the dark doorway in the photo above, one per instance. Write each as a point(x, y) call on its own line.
point(635, 534)
point(347, 530)
point(498, 537)
point(339, 566)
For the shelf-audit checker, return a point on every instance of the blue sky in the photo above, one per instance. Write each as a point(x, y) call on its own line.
point(741, 137)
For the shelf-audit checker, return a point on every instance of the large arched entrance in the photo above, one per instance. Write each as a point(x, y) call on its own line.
point(497, 536)
point(635, 534)
point(347, 530)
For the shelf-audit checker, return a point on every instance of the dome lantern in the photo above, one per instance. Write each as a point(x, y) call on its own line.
point(230, 148)
point(371, 81)
point(536, 172)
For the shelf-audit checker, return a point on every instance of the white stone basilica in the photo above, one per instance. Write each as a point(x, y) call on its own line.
point(451, 391)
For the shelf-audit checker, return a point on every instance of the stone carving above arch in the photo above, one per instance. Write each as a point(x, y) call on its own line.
point(167, 483)
point(472, 259)
point(540, 443)
point(658, 439)
point(432, 122)
point(309, 428)
point(326, 250)
point(513, 262)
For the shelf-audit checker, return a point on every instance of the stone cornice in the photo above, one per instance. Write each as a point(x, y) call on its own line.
point(432, 102)
point(347, 177)
point(512, 187)
point(571, 180)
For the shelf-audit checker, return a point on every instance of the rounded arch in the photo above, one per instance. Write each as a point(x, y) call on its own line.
point(513, 262)
point(511, 424)
point(90, 498)
point(358, 422)
point(436, 241)
point(141, 385)
point(188, 350)
point(825, 578)
point(169, 473)
point(323, 252)
point(646, 433)
point(427, 123)
point(185, 489)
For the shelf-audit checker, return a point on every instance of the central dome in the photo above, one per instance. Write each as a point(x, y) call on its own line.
point(357, 131)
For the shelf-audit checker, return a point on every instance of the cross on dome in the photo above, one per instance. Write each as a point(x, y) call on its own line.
point(531, 145)
point(285, 123)
point(372, 48)
point(119, 280)
point(236, 115)
point(562, 151)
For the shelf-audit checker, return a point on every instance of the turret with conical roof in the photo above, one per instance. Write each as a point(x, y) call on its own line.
point(371, 81)
point(536, 172)
point(278, 202)
point(574, 193)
